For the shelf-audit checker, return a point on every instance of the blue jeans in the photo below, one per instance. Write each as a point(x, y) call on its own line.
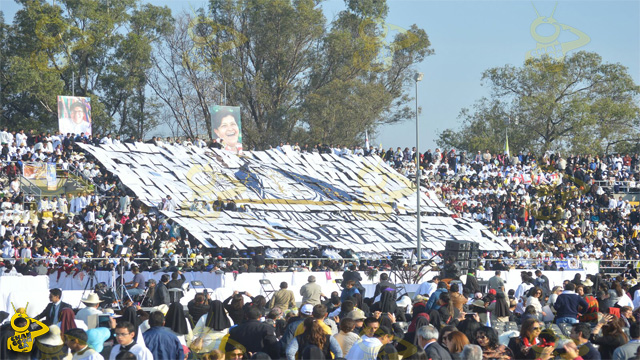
point(566, 320)
point(135, 292)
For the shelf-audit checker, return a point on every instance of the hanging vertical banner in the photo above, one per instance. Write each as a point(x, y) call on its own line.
point(52, 181)
point(226, 124)
point(74, 115)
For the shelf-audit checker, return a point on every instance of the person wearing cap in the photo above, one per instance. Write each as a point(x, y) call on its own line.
point(311, 292)
point(358, 316)
point(289, 333)
point(92, 301)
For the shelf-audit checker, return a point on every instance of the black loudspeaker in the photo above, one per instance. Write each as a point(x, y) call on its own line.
point(465, 253)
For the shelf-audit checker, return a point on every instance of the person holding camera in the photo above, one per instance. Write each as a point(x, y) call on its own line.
point(198, 306)
point(612, 335)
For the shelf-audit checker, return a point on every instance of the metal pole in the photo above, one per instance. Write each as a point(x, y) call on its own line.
point(418, 77)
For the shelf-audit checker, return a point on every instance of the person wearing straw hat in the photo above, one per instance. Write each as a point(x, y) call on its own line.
point(51, 346)
point(92, 301)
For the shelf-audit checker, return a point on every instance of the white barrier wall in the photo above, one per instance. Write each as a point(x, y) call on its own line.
point(34, 289)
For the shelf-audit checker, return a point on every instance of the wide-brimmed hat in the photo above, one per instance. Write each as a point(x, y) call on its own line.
point(92, 298)
point(587, 282)
point(51, 338)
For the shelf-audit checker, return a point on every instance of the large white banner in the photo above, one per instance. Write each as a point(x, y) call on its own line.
point(287, 200)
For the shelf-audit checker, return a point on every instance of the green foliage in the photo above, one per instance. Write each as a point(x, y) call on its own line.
point(578, 104)
point(298, 78)
point(52, 49)
point(295, 75)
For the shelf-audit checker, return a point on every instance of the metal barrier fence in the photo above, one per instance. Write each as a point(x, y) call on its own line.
point(616, 186)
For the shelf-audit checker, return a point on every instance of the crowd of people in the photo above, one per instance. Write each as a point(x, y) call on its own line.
point(548, 208)
point(597, 317)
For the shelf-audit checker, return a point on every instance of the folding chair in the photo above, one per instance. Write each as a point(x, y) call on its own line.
point(267, 288)
point(175, 295)
point(339, 283)
point(195, 284)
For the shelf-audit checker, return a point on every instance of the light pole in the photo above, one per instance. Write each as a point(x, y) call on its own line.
point(418, 77)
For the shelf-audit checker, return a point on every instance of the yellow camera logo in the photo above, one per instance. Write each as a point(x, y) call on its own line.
point(22, 340)
point(550, 45)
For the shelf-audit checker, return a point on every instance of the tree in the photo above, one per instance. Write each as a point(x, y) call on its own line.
point(578, 104)
point(182, 79)
point(80, 45)
point(288, 73)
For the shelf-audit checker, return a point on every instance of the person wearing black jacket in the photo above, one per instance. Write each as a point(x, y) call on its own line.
point(352, 274)
point(383, 284)
point(234, 305)
point(471, 286)
point(51, 313)
point(161, 295)
point(198, 306)
point(254, 335)
point(542, 282)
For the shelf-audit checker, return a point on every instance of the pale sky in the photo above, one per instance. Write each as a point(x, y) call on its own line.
point(469, 37)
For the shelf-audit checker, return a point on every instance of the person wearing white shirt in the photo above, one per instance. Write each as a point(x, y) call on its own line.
point(428, 287)
point(6, 137)
point(170, 204)
point(21, 138)
point(365, 349)
point(92, 301)
point(106, 140)
point(125, 333)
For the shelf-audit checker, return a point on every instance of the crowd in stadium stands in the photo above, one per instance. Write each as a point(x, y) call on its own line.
point(548, 207)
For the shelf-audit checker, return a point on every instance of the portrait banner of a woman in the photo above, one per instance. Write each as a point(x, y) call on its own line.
point(74, 115)
point(227, 127)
